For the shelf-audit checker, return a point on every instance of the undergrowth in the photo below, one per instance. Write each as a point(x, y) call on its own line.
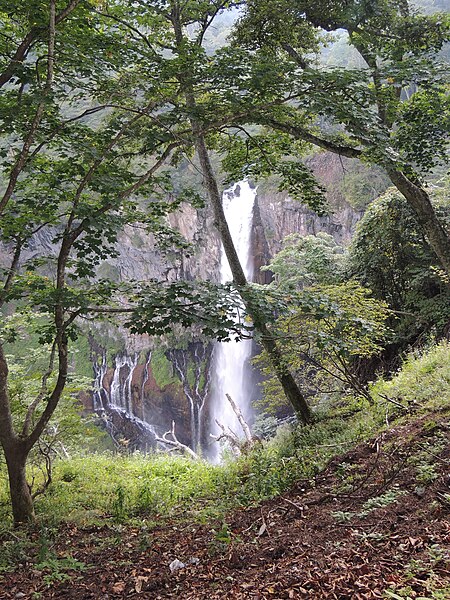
point(123, 488)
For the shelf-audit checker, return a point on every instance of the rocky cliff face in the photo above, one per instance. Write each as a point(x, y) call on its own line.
point(276, 215)
point(146, 382)
point(140, 259)
point(142, 384)
point(139, 394)
point(178, 389)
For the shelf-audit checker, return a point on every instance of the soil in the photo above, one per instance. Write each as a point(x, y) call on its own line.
point(368, 526)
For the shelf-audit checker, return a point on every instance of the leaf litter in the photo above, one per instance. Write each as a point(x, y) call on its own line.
point(292, 546)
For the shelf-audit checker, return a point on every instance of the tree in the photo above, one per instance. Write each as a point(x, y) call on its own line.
point(74, 182)
point(389, 255)
point(95, 103)
point(27, 370)
point(98, 97)
point(321, 332)
point(186, 51)
point(393, 112)
point(307, 260)
point(324, 323)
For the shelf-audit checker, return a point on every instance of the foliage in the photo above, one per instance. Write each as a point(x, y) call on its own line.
point(403, 43)
point(72, 183)
point(362, 184)
point(324, 329)
point(370, 505)
point(307, 260)
point(56, 569)
point(388, 106)
point(29, 380)
point(142, 72)
point(423, 380)
point(259, 156)
point(213, 309)
point(158, 486)
point(389, 255)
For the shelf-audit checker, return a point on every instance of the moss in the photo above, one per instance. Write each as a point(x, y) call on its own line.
point(191, 375)
point(162, 369)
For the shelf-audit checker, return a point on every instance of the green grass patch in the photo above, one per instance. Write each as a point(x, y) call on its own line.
point(422, 382)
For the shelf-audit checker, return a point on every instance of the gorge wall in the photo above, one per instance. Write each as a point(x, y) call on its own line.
point(146, 384)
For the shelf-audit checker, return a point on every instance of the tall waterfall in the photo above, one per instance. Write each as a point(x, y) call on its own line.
point(231, 369)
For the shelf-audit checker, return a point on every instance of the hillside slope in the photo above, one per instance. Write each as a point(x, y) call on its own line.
point(374, 524)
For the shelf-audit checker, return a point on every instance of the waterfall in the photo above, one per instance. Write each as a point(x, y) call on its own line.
point(231, 369)
point(120, 396)
point(118, 400)
point(191, 366)
point(100, 397)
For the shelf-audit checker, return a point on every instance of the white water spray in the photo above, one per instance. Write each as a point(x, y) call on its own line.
point(231, 370)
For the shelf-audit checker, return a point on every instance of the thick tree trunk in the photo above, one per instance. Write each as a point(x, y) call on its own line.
point(16, 453)
point(419, 201)
point(21, 500)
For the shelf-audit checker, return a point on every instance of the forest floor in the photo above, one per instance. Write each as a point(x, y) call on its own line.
point(374, 524)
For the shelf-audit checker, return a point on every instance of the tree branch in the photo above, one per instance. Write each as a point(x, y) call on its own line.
point(175, 443)
point(304, 134)
point(29, 39)
point(20, 163)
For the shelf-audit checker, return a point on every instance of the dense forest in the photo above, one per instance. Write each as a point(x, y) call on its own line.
point(225, 299)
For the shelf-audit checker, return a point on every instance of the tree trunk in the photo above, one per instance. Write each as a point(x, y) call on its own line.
point(16, 453)
point(419, 201)
point(21, 500)
point(285, 377)
point(290, 386)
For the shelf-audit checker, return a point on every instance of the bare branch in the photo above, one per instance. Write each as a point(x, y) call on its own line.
point(237, 411)
point(175, 443)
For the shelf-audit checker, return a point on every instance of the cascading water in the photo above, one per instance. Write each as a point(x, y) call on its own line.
point(120, 396)
point(100, 396)
point(191, 367)
point(231, 369)
point(119, 399)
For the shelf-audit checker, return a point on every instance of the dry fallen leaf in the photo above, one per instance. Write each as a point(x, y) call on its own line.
point(139, 582)
point(118, 587)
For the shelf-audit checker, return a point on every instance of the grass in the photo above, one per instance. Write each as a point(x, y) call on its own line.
point(422, 382)
point(89, 489)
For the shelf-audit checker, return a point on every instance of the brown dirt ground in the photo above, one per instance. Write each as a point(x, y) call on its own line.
point(293, 546)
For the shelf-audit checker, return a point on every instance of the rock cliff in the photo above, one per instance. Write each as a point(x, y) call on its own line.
point(143, 384)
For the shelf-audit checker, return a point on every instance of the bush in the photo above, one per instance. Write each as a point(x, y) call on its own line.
point(423, 380)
